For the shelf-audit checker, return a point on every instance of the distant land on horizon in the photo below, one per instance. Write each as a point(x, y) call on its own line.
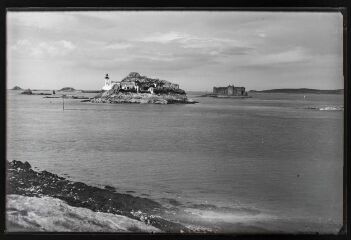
point(279, 90)
point(300, 90)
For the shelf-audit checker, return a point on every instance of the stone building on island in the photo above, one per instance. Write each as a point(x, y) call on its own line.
point(230, 91)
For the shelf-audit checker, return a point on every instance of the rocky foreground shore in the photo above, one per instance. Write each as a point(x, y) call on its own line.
point(23, 180)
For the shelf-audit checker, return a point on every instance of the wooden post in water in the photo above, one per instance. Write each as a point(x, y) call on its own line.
point(63, 102)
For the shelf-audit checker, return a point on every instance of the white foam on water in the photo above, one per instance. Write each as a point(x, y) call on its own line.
point(241, 221)
point(52, 214)
point(327, 108)
point(331, 108)
point(229, 217)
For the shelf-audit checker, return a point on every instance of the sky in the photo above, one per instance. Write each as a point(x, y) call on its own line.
point(198, 50)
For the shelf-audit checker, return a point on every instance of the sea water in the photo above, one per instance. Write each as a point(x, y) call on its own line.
point(273, 162)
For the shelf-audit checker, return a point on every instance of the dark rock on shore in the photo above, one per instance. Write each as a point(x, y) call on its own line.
point(27, 92)
point(91, 91)
point(69, 96)
point(30, 92)
point(45, 94)
point(51, 97)
point(76, 97)
point(23, 180)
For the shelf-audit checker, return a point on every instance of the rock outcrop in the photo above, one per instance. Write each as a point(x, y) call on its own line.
point(141, 98)
point(23, 180)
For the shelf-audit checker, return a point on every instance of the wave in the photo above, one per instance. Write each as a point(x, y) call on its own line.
point(213, 218)
point(331, 108)
point(51, 214)
point(231, 217)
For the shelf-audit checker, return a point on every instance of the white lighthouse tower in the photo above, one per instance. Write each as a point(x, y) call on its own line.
point(108, 84)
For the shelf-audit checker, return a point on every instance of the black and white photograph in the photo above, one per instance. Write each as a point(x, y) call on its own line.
point(210, 122)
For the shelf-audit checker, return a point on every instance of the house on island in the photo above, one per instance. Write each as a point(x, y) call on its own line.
point(134, 82)
point(230, 91)
point(129, 86)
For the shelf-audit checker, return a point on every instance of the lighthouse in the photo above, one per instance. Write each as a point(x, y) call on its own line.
point(107, 85)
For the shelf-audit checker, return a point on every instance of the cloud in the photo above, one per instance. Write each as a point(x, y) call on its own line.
point(199, 43)
point(43, 49)
point(192, 41)
point(294, 55)
point(208, 42)
point(21, 44)
point(67, 44)
point(262, 35)
point(42, 20)
point(119, 46)
point(206, 46)
point(164, 37)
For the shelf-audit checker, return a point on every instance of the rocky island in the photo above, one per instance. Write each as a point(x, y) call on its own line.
point(16, 88)
point(67, 89)
point(140, 89)
point(30, 92)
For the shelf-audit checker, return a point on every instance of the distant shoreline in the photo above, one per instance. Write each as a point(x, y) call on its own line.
point(300, 90)
point(207, 93)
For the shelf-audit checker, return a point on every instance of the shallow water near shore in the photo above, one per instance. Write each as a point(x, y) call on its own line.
point(268, 163)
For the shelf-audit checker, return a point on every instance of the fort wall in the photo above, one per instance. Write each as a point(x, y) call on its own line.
point(230, 91)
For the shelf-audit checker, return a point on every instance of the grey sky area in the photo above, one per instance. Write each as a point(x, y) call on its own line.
point(198, 50)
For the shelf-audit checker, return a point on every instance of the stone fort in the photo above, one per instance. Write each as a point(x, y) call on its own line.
point(230, 91)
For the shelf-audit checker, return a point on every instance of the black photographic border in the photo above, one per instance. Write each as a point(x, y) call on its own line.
point(341, 6)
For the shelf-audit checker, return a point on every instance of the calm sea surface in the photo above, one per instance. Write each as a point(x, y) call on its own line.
point(267, 162)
